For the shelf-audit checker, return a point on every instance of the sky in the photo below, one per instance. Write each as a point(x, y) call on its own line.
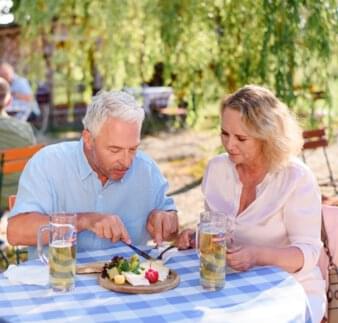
point(5, 16)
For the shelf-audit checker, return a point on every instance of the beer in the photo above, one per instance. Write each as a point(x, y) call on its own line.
point(212, 258)
point(61, 257)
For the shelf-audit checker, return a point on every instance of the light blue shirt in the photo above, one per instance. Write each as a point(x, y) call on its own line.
point(22, 108)
point(59, 179)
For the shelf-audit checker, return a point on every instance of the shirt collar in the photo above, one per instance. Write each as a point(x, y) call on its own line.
point(84, 167)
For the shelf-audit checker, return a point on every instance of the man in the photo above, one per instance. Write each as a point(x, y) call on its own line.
point(13, 133)
point(23, 104)
point(117, 191)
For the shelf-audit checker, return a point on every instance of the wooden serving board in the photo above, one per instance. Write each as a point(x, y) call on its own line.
point(90, 268)
point(171, 282)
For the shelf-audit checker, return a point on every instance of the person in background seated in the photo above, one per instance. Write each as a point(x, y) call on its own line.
point(24, 106)
point(117, 191)
point(275, 196)
point(13, 133)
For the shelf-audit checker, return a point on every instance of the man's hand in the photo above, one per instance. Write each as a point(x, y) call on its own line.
point(106, 226)
point(162, 225)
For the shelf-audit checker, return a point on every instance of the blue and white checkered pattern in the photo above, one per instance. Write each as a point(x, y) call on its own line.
point(260, 295)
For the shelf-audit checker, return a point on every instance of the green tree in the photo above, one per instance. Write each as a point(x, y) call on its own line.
point(207, 47)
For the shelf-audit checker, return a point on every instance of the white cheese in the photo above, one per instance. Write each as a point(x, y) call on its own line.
point(136, 280)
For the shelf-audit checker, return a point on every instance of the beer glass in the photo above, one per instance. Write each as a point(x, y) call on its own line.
point(61, 250)
point(211, 245)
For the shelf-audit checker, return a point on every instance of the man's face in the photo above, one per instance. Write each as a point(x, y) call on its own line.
point(111, 152)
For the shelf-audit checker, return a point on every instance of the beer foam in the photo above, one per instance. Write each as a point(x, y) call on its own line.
point(60, 244)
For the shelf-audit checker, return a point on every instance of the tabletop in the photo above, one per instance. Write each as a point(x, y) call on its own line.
point(151, 95)
point(262, 294)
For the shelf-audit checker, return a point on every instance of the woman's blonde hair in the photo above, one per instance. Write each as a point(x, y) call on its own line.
point(269, 120)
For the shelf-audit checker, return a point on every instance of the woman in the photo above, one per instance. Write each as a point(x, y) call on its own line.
point(274, 195)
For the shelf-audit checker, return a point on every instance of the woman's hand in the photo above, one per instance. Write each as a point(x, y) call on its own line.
point(186, 239)
point(242, 258)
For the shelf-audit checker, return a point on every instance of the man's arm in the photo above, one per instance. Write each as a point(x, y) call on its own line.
point(22, 229)
point(162, 222)
point(22, 96)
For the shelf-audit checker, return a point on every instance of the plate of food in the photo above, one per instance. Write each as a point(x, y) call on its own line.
point(134, 277)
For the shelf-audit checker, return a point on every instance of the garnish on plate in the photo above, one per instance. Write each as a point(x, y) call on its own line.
point(152, 275)
point(121, 270)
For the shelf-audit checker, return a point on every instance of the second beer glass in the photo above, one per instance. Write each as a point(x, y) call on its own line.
point(211, 234)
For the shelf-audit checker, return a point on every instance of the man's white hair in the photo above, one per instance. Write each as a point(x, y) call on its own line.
point(116, 104)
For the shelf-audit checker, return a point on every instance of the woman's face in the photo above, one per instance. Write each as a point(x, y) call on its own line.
point(242, 148)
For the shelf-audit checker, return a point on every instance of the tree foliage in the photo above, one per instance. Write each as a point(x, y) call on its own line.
point(207, 47)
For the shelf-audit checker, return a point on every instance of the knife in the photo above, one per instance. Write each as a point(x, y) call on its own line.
point(139, 251)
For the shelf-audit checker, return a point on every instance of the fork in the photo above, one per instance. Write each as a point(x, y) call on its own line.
point(160, 256)
point(146, 255)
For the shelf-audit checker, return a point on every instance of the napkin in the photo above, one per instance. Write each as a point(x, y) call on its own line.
point(28, 274)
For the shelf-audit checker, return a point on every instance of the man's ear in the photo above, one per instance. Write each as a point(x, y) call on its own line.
point(87, 139)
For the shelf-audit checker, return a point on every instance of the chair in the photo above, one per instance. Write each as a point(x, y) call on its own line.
point(13, 161)
point(329, 259)
point(314, 139)
point(18, 249)
point(156, 104)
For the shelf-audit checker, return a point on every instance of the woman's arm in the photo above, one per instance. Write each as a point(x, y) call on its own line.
point(242, 258)
point(301, 218)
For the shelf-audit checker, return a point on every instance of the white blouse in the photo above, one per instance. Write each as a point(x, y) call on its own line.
point(286, 212)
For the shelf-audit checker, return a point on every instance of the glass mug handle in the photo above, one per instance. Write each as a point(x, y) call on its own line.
point(47, 227)
point(197, 241)
point(41, 254)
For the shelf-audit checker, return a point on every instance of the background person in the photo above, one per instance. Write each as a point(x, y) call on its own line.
point(117, 191)
point(24, 105)
point(13, 133)
point(275, 196)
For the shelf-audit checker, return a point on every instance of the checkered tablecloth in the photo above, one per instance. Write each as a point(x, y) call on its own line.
point(260, 295)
